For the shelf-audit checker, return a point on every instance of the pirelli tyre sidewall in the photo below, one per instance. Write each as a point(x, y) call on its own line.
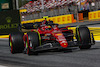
point(16, 43)
point(83, 37)
point(33, 42)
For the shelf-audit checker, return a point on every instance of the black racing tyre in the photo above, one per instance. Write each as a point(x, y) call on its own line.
point(83, 37)
point(33, 42)
point(16, 43)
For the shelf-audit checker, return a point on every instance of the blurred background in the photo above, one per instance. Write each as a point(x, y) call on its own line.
point(35, 9)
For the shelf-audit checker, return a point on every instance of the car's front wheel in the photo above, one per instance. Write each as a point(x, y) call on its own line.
point(32, 41)
point(16, 43)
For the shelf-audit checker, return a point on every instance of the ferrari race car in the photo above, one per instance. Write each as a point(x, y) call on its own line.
point(37, 37)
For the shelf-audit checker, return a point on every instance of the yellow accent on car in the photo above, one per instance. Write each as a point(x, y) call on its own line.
point(64, 44)
point(39, 36)
point(45, 17)
point(58, 34)
point(25, 33)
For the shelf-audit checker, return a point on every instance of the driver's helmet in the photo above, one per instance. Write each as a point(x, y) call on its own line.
point(44, 22)
point(48, 28)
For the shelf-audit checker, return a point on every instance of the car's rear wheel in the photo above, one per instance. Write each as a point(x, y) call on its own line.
point(83, 37)
point(33, 42)
point(16, 43)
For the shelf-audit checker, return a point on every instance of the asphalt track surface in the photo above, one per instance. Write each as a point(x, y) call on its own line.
point(73, 57)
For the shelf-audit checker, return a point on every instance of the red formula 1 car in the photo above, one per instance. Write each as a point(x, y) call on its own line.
point(49, 36)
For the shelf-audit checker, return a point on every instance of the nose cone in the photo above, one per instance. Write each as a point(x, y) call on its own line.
point(64, 44)
point(61, 39)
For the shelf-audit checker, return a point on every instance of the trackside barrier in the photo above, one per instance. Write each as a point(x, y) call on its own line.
point(94, 15)
point(80, 15)
point(63, 19)
point(23, 10)
point(9, 21)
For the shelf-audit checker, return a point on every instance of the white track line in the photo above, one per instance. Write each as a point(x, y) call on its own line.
point(3, 66)
point(97, 40)
point(4, 38)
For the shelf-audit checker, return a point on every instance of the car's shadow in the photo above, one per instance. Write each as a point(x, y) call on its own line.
point(62, 51)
